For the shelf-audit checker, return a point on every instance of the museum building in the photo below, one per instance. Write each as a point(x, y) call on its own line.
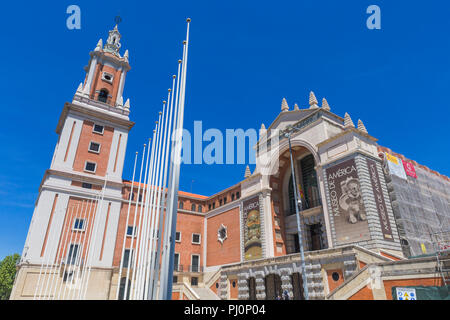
point(360, 209)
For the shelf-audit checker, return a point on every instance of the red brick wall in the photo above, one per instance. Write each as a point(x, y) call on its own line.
point(229, 251)
point(188, 224)
point(334, 284)
point(388, 284)
point(363, 294)
point(83, 154)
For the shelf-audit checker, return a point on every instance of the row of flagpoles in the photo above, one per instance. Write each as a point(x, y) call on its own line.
point(148, 271)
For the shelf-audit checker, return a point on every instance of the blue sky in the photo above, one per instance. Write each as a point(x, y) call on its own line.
point(244, 57)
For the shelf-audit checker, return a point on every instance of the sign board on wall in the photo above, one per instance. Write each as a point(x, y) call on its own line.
point(406, 294)
point(347, 207)
point(252, 229)
point(379, 200)
point(409, 169)
point(395, 166)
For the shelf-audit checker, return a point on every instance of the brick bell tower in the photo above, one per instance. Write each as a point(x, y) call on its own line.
point(90, 153)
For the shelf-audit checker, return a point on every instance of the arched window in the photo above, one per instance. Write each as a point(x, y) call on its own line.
point(200, 209)
point(180, 205)
point(193, 207)
point(103, 95)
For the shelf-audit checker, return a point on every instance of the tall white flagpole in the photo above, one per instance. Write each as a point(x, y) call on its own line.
point(137, 226)
point(126, 231)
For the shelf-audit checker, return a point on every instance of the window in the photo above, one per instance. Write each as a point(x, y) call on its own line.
point(335, 276)
point(196, 238)
point(140, 197)
point(214, 205)
point(178, 236)
point(90, 166)
point(237, 195)
point(131, 196)
point(217, 285)
point(209, 206)
point(127, 258)
point(103, 95)
point(199, 208)
point(195, 263)
point(193, 207)
point(94, 147)
point(225, 200)
point(220, 202)
point(86, 185)
point(232, 197)
point(194, 281)
point(131, 231)
point(175, 279)
point(107, 77)
point(222, 233)
point(72, 255)
point(233, 284)
point(98, 128)
point(180, 205)
point(176, 262)
point(78, 225)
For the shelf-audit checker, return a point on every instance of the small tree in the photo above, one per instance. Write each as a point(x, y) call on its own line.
point(7, 275)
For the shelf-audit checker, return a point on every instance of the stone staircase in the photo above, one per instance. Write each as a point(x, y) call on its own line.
point(205, 293)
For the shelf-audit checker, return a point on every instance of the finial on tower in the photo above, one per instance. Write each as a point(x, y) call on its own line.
point(127, 104)
point(284, 105)
point(247, 172)
point(313, 101)
point(296, 108)
point(348, 123)
point(99, 46)
point(325, 105)
point(113, 43)
point(361, 126)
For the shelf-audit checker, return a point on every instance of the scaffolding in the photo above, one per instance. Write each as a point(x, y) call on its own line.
point(421, 209)
point(442, 247)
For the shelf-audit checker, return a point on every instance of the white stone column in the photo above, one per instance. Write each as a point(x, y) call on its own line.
point(121, 84)
point(87, 87)
point(320, 178)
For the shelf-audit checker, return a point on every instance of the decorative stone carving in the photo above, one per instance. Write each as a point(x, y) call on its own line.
point(348, 123)
point(313, 101)
point(325, 105)
point(361, 126)
point(284, 105)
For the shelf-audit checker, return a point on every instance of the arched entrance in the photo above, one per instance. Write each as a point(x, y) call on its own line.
point(251, 288)
point(273, 286)
point(297, 286)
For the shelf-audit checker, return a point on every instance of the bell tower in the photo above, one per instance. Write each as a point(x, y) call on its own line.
point(81, 192)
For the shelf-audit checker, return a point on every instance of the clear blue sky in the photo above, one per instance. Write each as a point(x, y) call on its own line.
point(245, 56)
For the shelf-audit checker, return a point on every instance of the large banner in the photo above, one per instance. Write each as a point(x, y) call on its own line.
point(379, 200)
point(409, 169)
point(347, 206)
point(252, 229)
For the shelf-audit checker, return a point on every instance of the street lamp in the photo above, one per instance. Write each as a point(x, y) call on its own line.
point(298, 202)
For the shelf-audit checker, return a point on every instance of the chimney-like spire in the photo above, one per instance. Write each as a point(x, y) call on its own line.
point(361, 126)
point(126, 55)
point(263, 127)
point(325, 105)
point(127, 104)
point(296, 108)
point(80, 87)
point(99, 46)
point(313, 101)
point(348, 123)
point(284, 105)
point(247, 172)
point(120, 101)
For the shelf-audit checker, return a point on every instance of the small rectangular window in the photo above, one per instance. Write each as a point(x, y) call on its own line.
point(200, 209)
point(90, 166)
point(94, 147)
point(78, 225)
point(127, 258)
point(98, 128)
point(131, 231)
point(176, 262)
point(72, 255)
point(178, 236)
point(194, 281)
point(175, 279)
point(196, 238)
point(86, 185)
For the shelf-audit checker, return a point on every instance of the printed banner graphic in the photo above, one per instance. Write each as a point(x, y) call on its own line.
point(252, 229)
point(395, 166)
point(379, 200)
point(347, 207)
point(409, 169)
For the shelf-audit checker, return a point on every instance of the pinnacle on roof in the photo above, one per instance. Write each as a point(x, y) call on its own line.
point(325, 105)
point(284, 105)
point(348, 123)
point(296, 108)
point(313, 101)
point(247, 172)
point(361, 126)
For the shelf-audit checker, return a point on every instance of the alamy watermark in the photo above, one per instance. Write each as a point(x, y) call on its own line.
point(74, 19)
